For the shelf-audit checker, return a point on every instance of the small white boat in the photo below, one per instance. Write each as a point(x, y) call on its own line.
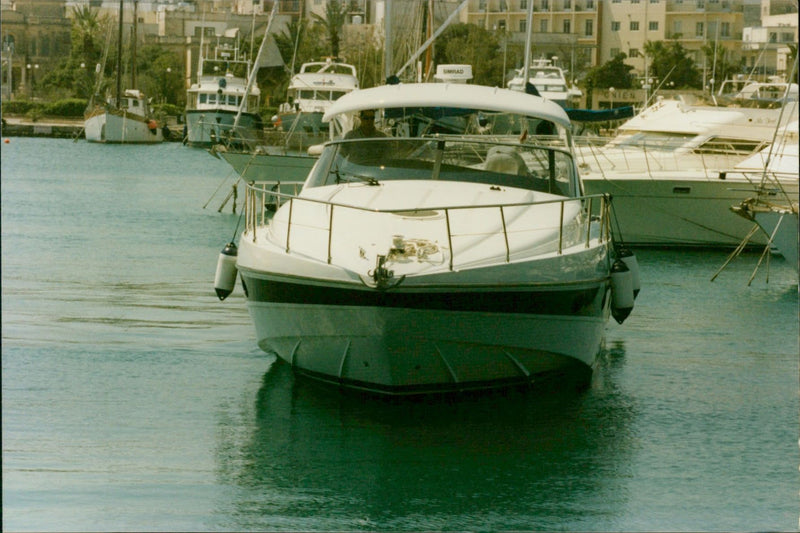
point(128, 122)
point(549, 81)
point(434, 262)
point(213, 102)
point(311, 93)
point(668, 172)
point(124, 118)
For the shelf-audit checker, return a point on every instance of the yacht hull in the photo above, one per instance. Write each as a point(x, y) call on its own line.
point(684, 211)
point(432, 336)
point(206, 127)
point(269, 167)
point(111, 126)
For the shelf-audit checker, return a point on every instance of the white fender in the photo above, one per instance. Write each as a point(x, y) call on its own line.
point(621, 291)
point(630, 261)
point(225, 278)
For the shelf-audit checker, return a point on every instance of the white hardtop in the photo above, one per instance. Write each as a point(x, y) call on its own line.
point(462, 96)
point(329, 66)
point(325, 75)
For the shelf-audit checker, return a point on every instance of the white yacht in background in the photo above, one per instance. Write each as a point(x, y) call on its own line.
point(311, 92)
point(124, 120)
point(434, 261)
point(550, 83)
point(667, 171)
point(213, 102)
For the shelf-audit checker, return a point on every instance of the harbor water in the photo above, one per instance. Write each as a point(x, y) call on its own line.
point(133, 399)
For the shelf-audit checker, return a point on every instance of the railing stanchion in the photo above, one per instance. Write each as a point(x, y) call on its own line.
point(589, 226)
point(561, 228)
point(505, 234)
point(289, 223)
point(330, 233)
point(449, 236)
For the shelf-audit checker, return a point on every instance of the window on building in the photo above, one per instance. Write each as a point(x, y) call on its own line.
point(523, 4)
point(773, 37)
point(523, 26)
point(482, 5)
point(634, 25)
point(567, 26)
point(725, 29)
point(633, 52)
point(567, 4)
point(616, 1)
point(614, 52)
point(698, 29)
point(677, 27)
point(653, 25)
point(787, 37)
point(700, 4)
point(501, 25)
point(545, 4)
point(589, 4)
point(654, 1)
point(543, 26)
point(588, 29)
point(634, 1)
point(614, 25)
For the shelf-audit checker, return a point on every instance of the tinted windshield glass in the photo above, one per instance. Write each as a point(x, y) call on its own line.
point(372, 161)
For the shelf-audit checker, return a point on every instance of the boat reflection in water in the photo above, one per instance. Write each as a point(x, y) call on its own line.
point(512, 459)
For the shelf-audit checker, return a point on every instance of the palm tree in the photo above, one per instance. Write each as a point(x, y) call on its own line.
point(87, 33)
point(333, 21)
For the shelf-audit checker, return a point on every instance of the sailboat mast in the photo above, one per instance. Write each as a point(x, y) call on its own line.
point(388, 37)
point(134, 32)
point(119, 58)
point(428, 35)
point(528, 38)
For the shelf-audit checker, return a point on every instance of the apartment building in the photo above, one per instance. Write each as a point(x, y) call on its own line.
point(629, 24)
point(568, 30)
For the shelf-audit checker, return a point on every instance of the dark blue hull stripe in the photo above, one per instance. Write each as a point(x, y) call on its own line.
point(524, 300)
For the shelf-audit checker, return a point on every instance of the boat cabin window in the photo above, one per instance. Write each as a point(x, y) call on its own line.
point(657, 140)
point(723, 145)
point(377, 160)
point(425, 121)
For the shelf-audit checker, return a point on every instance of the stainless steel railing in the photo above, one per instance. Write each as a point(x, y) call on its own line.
point(262, 197)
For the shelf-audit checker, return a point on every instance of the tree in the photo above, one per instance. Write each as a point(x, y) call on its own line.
point(613, 73)
point(723, 64)
point(472, 45)
point(670, 62)
point(333, 21)
point(159, 74)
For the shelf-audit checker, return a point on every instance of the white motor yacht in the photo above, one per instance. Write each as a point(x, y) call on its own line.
point(311, 93)
point(667, 170)
point(549, 81)
point(434, 262)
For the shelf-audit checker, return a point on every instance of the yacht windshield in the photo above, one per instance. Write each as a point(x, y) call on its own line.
point(657, 140)
point(374, 161)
